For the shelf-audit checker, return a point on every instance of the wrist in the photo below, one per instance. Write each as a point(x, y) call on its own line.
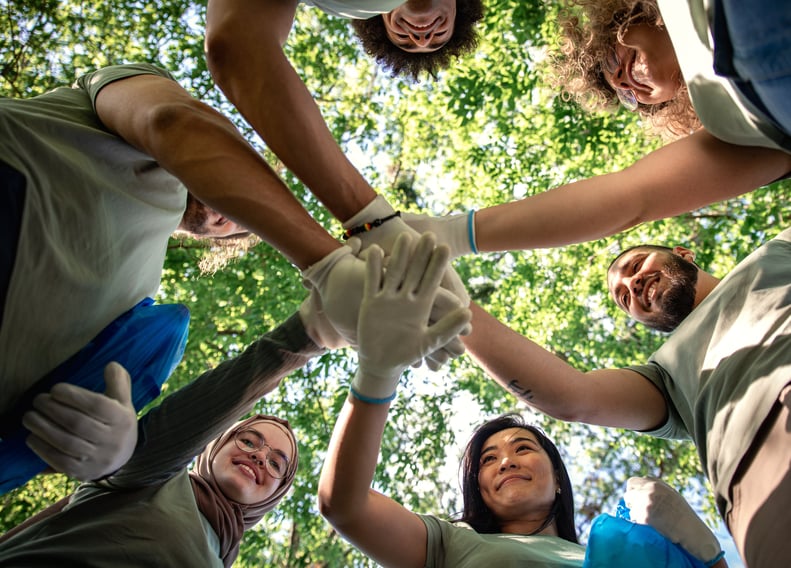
point(369, 400)
point(376, 209)
point(379, 388)
point(471, 231)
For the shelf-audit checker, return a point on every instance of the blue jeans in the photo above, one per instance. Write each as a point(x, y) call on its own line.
point(752, 41)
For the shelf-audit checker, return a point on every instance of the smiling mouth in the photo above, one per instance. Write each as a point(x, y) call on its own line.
point(249, 471)
point(419, 28)
point(512, 478)
point(650, 293)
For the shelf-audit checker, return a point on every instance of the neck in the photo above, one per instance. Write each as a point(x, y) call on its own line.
point(544, 527)
point(706, 283)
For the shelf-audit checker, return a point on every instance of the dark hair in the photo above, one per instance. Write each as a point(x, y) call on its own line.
point(373, 36)
point(630, 249)
point(477, 514)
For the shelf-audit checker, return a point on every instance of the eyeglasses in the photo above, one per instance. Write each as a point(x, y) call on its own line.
point(252, 441)
point(610, 65)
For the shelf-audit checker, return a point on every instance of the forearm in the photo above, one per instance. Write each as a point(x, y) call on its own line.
point(608, 397)
point(179, 428)
point(244, 52)
point(345, 483)
point(209, 156)
point(683, 176)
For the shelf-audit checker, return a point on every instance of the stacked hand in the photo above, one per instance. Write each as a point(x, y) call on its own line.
point(85, 434)
point(653, 502)
point(330, 313)
point(456, 231)
point(394, 328)
point(385, 236)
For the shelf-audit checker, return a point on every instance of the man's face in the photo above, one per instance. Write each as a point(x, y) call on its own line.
point(655, 287)
point(421, 26)
point(202, 221)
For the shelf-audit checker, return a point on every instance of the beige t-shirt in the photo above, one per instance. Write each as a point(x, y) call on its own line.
point(95, 227)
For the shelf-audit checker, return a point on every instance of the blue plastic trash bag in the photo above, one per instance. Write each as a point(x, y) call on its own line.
point(617, 542)
point(148, 340)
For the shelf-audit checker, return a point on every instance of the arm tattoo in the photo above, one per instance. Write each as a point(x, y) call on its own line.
point(520, 391)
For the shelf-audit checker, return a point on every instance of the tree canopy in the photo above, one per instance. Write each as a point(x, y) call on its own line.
point(486, 131)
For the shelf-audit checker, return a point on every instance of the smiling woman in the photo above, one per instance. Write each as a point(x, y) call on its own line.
point(241, 473)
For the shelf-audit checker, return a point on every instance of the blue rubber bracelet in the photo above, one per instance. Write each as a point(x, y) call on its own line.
point(371, 400)
point(471, 231)
point(716, 559)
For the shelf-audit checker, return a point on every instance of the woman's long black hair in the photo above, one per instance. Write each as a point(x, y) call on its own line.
point(478, 515)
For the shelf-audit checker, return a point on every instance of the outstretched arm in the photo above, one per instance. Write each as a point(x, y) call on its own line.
point(173, 433)
point(617, 398)
point(682, 176)
point(211, 158)
point(393, 331)
point(244, 51)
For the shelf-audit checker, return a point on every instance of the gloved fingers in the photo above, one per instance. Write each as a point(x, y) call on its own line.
point(355, 244)
point(118, 384)
point(402, 257)
point(46, 433)
point(442, 332)
point(419, 279)
point(451, 281)
point(446, 301)
point(373, 271)
point(455, 347)
point(72, 465)
point(430, 278)
point(77, 411)
point(436, 360)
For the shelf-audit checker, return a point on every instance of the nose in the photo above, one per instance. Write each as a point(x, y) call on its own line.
point(635, 284)
point(506, 463)
point(422, 38)
point(257, 460)
point(619, 79)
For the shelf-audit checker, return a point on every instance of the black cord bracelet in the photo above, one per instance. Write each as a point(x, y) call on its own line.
point(365, 227)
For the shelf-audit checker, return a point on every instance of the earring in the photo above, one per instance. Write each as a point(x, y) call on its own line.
point(557, 491)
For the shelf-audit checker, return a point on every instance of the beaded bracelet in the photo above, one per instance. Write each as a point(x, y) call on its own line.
point(369, 226)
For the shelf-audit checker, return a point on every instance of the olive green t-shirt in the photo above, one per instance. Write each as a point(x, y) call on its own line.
point(457, 545)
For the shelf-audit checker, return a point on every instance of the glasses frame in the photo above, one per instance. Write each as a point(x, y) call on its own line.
point(266, 448)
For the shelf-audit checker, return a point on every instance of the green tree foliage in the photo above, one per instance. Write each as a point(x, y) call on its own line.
point(486, 131)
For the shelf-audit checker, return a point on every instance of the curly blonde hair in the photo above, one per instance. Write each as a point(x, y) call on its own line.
point(589, 29)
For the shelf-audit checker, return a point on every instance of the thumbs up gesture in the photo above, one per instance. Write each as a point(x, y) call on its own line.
point(81, 433)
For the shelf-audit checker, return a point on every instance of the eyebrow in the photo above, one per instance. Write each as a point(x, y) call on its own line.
point(512, 442)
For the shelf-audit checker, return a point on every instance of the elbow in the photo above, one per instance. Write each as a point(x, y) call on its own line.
point(337, 506)
point(169, 120)
point(219, 49)
point(329, 506)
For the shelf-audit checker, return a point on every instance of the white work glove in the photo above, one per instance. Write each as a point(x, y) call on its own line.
point(653, 502)
point(457, 231)
point(393, 329)
point(317, 324)
point(338, 278)
point(385, 236)
point(81, 433)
